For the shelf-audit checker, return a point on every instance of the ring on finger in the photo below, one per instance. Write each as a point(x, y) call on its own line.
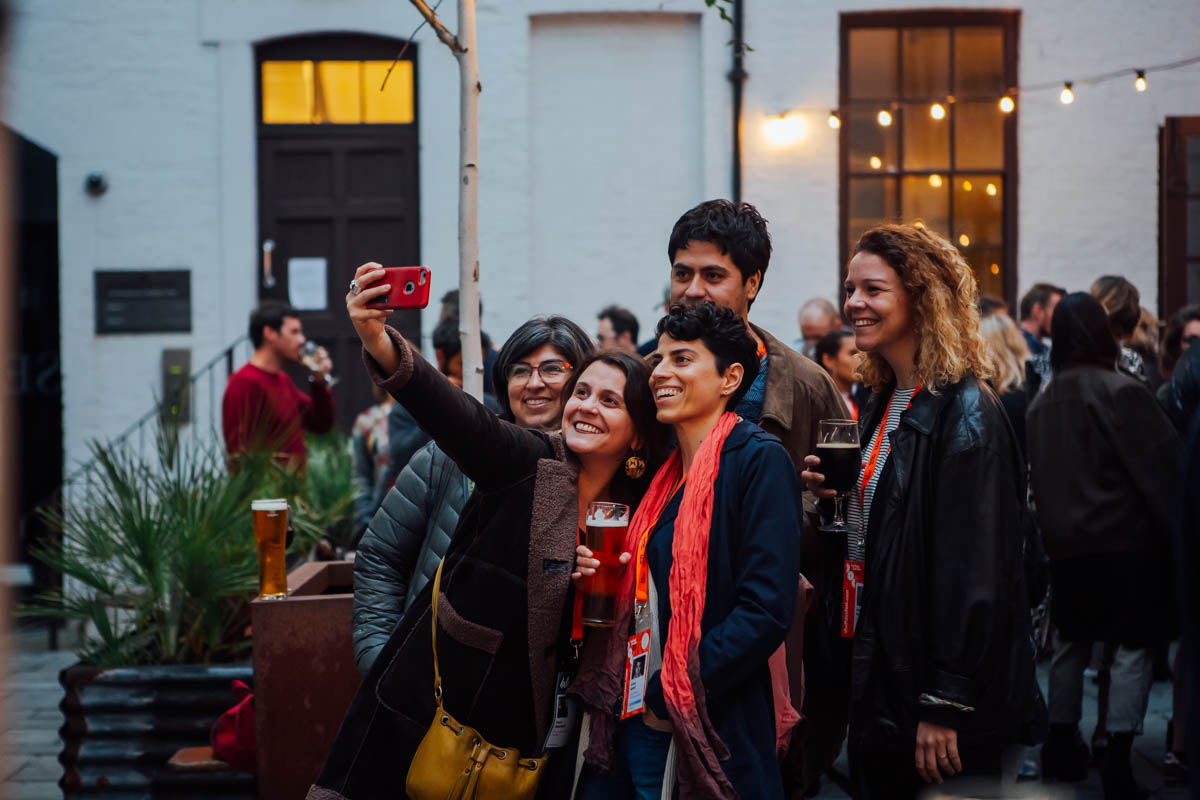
point(354, 288)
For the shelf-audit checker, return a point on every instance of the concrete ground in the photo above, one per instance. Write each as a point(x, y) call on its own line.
point(29, 733)
point(30, 740)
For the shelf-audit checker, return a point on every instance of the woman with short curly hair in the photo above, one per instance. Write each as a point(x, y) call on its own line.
point(943, 680)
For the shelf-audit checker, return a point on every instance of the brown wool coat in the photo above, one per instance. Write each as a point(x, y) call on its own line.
point(502, 611)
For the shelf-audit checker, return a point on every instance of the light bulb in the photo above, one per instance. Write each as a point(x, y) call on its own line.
point(964, 240)
point(991, 190)
point(835, 121)
point(967, 186)
point(937, 111)
point(935, 181)
point(876, 162)
point(919, 224)
point(1066, 96)
point(1140, 82)
point(1007, 104)
point(884, 118)
point(995, 269)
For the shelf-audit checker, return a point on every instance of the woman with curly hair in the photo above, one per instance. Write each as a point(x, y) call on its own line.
point(942, 681)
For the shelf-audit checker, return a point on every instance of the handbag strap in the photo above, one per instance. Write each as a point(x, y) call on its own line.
point(437, 675)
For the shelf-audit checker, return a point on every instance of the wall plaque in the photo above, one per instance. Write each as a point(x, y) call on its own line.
point(143, 301)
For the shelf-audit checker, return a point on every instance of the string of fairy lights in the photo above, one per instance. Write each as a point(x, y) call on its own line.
point(1008, 102)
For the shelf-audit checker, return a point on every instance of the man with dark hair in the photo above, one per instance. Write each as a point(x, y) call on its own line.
point(617, 330)
point(720, 251)
point(1037, 307)
point(450, 311)
point(262, 408)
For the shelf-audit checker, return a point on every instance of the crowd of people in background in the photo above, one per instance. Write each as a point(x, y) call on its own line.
point(1008, 462)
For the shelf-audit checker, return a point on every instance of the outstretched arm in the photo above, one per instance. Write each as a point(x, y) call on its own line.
point(490, 451)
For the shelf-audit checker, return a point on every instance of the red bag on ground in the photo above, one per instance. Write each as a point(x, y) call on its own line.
point(232, 734)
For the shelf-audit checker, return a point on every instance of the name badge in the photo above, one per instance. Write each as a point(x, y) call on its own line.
point(637, 659)
point(852, 584)
point(566, 711)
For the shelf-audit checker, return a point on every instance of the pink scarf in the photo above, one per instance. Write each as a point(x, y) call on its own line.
point(601, 674)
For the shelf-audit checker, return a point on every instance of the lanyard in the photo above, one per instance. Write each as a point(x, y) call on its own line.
point(868, 470)
point(643, 571)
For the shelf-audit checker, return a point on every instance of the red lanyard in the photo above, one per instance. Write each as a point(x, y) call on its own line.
point(643, 571)
point(868, 470)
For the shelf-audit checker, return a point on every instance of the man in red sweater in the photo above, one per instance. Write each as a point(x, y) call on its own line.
point(262, 408)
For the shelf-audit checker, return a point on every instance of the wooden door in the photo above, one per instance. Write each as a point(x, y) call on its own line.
point(332, 196)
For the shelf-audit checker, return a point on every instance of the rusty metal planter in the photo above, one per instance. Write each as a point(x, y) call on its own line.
point(123, 725)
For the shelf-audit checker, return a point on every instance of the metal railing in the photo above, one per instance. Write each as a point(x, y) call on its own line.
point(201, 397)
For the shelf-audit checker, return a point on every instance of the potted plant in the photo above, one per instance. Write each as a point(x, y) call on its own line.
point(159, 564)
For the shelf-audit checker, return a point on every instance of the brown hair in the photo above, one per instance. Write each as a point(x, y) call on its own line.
point(1122, 303)
point(639, 403)
point(943, 294)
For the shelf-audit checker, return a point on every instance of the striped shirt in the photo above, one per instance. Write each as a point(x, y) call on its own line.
point(855, 518)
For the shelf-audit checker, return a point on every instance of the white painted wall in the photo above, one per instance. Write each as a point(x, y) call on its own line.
point(615, 158)
point(159, 97)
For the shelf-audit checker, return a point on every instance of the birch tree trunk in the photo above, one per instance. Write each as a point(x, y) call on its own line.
point(468, 201)
point(463, 48)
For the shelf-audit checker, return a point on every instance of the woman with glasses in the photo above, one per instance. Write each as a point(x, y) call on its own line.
point(406, 539)
point(506, 634)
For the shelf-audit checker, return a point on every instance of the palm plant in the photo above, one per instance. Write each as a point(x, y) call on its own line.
point(327, 502)
point(158, 555)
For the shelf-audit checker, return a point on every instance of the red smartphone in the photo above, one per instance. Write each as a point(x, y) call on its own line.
point(410, 288)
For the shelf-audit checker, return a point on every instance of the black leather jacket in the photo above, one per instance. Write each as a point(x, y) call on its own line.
point(944, 631)
point(402, 546)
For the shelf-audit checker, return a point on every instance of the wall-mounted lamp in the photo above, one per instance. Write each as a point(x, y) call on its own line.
point(785, 129)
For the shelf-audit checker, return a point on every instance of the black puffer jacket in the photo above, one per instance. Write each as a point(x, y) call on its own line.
point(403, 544)
point(944, 631)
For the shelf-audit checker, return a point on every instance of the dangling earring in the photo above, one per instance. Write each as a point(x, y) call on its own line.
point(635, 466)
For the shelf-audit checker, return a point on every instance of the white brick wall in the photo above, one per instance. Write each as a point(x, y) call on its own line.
point(159, 97)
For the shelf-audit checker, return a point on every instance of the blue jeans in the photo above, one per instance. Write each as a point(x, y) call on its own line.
point(639, 769)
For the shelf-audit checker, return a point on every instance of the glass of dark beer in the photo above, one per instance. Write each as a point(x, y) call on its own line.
point(604, 535)
point(841, 459)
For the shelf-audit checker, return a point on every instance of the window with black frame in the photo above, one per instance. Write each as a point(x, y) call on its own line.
point(928, 131)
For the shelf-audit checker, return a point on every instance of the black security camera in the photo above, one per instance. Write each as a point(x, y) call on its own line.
point(95, 184)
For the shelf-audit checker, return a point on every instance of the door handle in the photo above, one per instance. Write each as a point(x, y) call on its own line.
point(268, 279)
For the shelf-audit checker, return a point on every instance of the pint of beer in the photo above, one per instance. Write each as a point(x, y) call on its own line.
point(604, 535)
point(270, 532)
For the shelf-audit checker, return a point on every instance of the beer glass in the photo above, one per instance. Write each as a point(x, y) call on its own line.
point(270, 533)
point(604, 535)
point(841, 460)
point(308, 357)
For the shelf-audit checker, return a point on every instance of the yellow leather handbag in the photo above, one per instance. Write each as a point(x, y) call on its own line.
point(454, 762)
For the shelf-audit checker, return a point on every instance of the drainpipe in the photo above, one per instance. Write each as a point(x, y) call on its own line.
point(737, 77)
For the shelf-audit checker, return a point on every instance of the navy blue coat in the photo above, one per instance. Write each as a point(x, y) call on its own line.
point(753, 576)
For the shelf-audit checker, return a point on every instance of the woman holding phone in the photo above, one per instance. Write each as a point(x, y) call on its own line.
point(943, 677)
point(710, 593)
point(505, 633)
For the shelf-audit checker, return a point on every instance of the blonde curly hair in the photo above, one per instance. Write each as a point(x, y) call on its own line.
point(943, 295)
